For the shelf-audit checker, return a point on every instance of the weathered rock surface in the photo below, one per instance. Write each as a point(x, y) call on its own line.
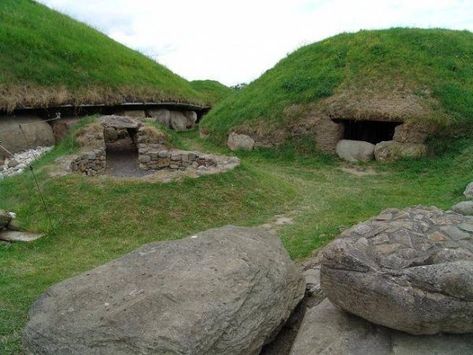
point(34, 133)
point(328, 330)
point(223, 291)
point(162, 116)
point(412, 132)
point(240, 142)
point(355, 151)
point(464, 208)
point(391, 150)
point(178, 121)
point(410, 270)
point(469, 191)
point(19, 236)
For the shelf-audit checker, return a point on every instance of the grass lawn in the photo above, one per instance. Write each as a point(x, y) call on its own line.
point(98, 219)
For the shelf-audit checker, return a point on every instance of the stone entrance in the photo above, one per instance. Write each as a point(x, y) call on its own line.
point(369, 131)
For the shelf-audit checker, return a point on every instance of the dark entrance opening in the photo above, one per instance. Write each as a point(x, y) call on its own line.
point(122, 153)
point(369, 131)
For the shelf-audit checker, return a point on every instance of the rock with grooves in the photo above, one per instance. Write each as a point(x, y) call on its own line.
point(329, 330)
point(410, 270)
point(355, 151)
point(223, 291)
point(240, 142)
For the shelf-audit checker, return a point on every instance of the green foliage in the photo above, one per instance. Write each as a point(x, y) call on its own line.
point(435, 61)
point(212, 90)
point(40, 47)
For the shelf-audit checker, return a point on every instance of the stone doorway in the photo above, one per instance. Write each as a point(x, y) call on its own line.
point(368, 131)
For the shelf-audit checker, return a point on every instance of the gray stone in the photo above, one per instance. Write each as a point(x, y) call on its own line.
point(18, 236)
point(120, 122)
point(162, 116)
point(329, 330)
point(178, 121)
point(418, 270)
point(355, 151)
point(469, 191)
point(223, 291)
point(240, 142)
point(391, 151)
point(464, 208)
point(34, 132)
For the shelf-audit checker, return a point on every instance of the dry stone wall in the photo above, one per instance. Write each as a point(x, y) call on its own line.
point(90, 163)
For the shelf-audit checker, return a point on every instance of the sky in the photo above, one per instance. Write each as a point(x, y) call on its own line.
point(235, 41)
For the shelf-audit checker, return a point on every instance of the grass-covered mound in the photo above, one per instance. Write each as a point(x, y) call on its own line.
point(212, 90)
point(47, 58)
point(396, 74)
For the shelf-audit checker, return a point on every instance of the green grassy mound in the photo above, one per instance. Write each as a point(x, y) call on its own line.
point(47, 58)
point(212, 90)
point(396, 73)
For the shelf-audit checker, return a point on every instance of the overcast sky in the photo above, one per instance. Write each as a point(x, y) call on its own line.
point(235, 41)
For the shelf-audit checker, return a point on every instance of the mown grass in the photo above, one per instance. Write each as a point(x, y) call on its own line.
point(97, 219)
point(433, 62)
point(49, 58)
point(212, 90)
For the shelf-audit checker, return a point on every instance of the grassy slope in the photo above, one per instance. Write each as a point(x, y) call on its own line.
point(212, 90)
point(47, 57)
point(98, 219)
point(440, 61)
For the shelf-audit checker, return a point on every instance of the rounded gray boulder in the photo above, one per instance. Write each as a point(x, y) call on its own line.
point(223, 291)
point(355, 151)
point(410, 270)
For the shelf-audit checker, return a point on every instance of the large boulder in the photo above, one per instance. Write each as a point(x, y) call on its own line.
point(240, 142)
point(162, 116)
point(223, 291)
point(355, 151)
point(178, 121)
point(469, 191)
point(329, 330)
point(34, 132)
point(390, 151)
point(410, 270)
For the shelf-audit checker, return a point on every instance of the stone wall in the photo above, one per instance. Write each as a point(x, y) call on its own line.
point(90, 163)
point(157, 157)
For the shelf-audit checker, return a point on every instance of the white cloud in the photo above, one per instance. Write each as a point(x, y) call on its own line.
point(235, 41)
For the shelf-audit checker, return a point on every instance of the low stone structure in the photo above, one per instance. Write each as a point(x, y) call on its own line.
point(223, 291)
point(154, 151)
point(416, 265)
point(90, 163)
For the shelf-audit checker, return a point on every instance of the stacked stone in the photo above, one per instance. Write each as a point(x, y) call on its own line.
point(91, 163)
point(157, 157)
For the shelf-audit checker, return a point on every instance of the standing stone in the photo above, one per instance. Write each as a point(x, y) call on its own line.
point(355, 151)
point(410, 270)
point(240, 142)
point(391, 151)
point(469, 191)
point(191, 118)
point(223, 291)
point(178, 121)
point(162, 116)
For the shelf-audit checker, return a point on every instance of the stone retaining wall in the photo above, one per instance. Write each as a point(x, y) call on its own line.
point(157, 157)
point(90, 163)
